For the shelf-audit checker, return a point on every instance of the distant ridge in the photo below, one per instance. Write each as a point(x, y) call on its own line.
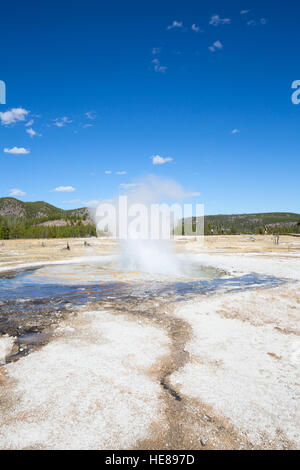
point(11, 207)
point(59, 222)
point(283, 222)
point(39, 219)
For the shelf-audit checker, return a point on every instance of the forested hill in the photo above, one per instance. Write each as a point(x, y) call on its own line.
point(11, 207)
point(271, 222)
point(20, 219)
point(39, 219)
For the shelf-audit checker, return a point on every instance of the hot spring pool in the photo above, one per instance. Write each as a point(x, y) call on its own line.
point(34, 300)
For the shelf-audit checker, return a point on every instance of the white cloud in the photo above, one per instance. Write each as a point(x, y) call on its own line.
point(158, 160)
point(155, 189)
point(29, 123)
point(91, 115)
point(216, 45)
point(108, 172)
point(158, 67)
point(17, 151)
point(61, 122)
point(121, 172)
point(32, 132)
point(216, 20)
point(235, 131)
point(244, 12)
point(13, 115)
point(17, 192)
point(254, 22)
point(175, 24)
point(64, 189)
point(195, 28)
point(92, 203)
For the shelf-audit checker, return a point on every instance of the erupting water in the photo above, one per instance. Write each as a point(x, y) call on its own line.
point(143, 222)
point(149, 256)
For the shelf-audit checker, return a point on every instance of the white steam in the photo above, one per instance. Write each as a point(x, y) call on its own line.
point(145, 248)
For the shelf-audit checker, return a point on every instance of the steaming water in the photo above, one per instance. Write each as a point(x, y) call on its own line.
point(33, 300)
point(149, 256)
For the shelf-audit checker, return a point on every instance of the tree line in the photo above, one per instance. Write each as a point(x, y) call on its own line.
point(11, 228)
point(233, 229)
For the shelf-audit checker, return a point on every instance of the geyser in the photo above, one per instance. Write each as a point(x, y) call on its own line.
point(149, 256)
point(142, 221)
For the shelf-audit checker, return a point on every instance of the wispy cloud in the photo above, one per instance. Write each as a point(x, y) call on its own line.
point(244, 12)
point(17, 192)
point(17, 151)
point(262, 21)
point(159, 68)
point(64, 189)
point(235, 131)
point(155, 189)
point(32, 132)
point(108, 172)
point(217, 45)
point(91, 115)
point(29, 123)
point(216, 20)
point(158, 160)
point(195, 28)
point(175, 24)
point(121, 172)
point(61, 122)
point(92, 203)
point(13, 115)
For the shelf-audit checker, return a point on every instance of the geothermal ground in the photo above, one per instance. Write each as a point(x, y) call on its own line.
point(95, 357)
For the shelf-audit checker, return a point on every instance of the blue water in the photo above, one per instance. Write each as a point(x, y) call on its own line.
point(31, 303)
point(21, 285)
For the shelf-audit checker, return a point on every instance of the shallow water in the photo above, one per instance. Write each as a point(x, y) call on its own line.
point(34, 300)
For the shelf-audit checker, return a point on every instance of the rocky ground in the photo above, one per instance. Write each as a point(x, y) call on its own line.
point(214, 372)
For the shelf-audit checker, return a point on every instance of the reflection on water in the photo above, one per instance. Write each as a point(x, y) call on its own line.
point(33, 300)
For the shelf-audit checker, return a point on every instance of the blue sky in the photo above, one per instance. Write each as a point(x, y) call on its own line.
point(205, 87)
